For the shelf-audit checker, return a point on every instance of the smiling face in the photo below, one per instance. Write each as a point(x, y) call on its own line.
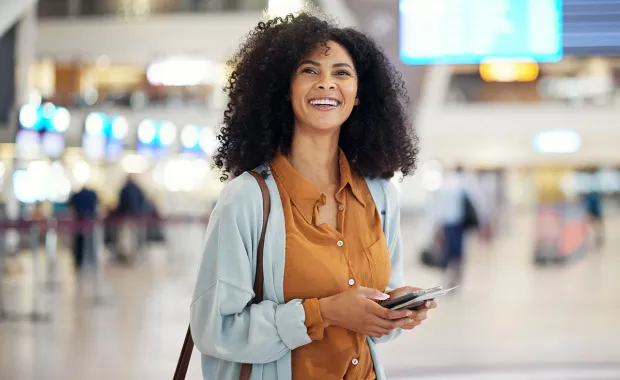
point(324, 88)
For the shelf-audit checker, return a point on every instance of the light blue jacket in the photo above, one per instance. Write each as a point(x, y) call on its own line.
point(225, 329)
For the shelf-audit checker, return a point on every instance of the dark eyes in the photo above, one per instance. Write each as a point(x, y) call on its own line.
point(309, 70)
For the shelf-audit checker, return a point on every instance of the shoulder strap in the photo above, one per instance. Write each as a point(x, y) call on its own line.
point(188, 344)
point(259, 278)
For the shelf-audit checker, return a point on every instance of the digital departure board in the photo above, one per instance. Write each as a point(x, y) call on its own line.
point(472, 31)
point(591, 27)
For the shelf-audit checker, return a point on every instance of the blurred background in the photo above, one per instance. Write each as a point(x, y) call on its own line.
point(108, 115)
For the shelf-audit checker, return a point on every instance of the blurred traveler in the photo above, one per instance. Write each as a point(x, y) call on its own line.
point(593, 204)
point(132, 231)
point(131, 199)
point(320, 112)
point(84, 206)
point(39, 216)
point(454, 215)
point(38, 212)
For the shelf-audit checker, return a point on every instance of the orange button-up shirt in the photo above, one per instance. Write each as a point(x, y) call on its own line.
point(322, 261)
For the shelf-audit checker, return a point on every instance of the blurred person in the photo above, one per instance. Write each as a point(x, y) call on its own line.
point(593, 204)
point(131, 233)
point(454, 215)
point(84, 206)
point(320, 112)
point(38, 212)
point(39, 215)
point(131, 199)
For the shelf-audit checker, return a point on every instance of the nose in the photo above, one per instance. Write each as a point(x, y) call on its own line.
point(325, 82)
point(327, 86)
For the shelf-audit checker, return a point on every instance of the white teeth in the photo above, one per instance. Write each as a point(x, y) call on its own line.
point(324, 102)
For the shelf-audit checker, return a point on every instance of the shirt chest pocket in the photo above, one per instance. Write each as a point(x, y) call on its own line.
point(378, 257)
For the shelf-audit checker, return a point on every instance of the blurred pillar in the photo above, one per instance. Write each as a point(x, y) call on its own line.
point(7, 75)
point(75, 8)
point(25, 52)
point(17, 52)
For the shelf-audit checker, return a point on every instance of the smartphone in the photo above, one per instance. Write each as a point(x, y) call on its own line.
point(390, 303)
point(416, 300)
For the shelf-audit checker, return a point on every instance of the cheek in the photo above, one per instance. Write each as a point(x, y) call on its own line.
point(298, 93)
point(349, 91)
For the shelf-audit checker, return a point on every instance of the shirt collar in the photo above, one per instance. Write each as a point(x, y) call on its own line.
point(303, 193)
point(348, 177)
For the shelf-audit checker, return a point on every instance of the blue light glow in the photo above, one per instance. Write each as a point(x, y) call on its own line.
point(458, 31)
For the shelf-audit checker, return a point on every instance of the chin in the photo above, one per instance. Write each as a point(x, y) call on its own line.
point(326, 127)
point(325, 124)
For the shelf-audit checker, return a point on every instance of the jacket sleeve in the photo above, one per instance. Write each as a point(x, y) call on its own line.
point(223, 324)
point(392, 233)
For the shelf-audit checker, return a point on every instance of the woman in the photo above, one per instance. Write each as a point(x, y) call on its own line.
point(319, 111)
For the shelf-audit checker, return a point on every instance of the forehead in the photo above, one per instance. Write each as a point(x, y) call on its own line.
point(330, 52)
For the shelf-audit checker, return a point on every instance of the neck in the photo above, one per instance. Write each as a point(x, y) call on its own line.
point(315, 157)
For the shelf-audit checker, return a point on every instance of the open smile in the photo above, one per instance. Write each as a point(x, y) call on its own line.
point(324, 104)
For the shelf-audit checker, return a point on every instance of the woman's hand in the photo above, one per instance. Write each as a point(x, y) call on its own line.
point(418, 315)
point(354, 310)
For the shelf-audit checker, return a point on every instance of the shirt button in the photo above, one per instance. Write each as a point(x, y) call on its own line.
point(340, 243)
point(355, 361)
point(341, 207)
point(351, 282)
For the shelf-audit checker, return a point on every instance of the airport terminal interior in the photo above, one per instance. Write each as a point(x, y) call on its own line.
point(520, 98)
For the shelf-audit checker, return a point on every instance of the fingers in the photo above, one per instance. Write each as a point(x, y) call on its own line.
point(380, 327)
point(383, 321)
point(383, 327)
point(403, 291)
point(372, 294)
point(419, 316)
point(384, 313)
point(388, 324)
point(377, 333)
point(411, 289)
point(411, 325)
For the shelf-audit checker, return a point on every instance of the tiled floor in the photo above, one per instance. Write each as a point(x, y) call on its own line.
point(510, 321)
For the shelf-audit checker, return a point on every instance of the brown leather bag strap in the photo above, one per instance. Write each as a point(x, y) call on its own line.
point(259, 278)
point(188, 344)
point(186, 355)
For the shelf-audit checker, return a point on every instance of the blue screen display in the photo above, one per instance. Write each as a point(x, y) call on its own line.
point(591, 27)
point(472, 31)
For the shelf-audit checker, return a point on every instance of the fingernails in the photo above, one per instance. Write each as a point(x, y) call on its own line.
point(408, 313)
point(427, 304)
point(383, 296)
point(410, 320)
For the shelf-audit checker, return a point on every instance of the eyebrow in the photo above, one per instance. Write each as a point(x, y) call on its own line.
point(314, 63)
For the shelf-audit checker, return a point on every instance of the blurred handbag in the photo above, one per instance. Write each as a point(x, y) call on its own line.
point(429, 258)
point(470, 217)
point(188, 344)
point(432, 255)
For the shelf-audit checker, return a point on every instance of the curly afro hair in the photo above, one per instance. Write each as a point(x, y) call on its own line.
point(377, 138)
